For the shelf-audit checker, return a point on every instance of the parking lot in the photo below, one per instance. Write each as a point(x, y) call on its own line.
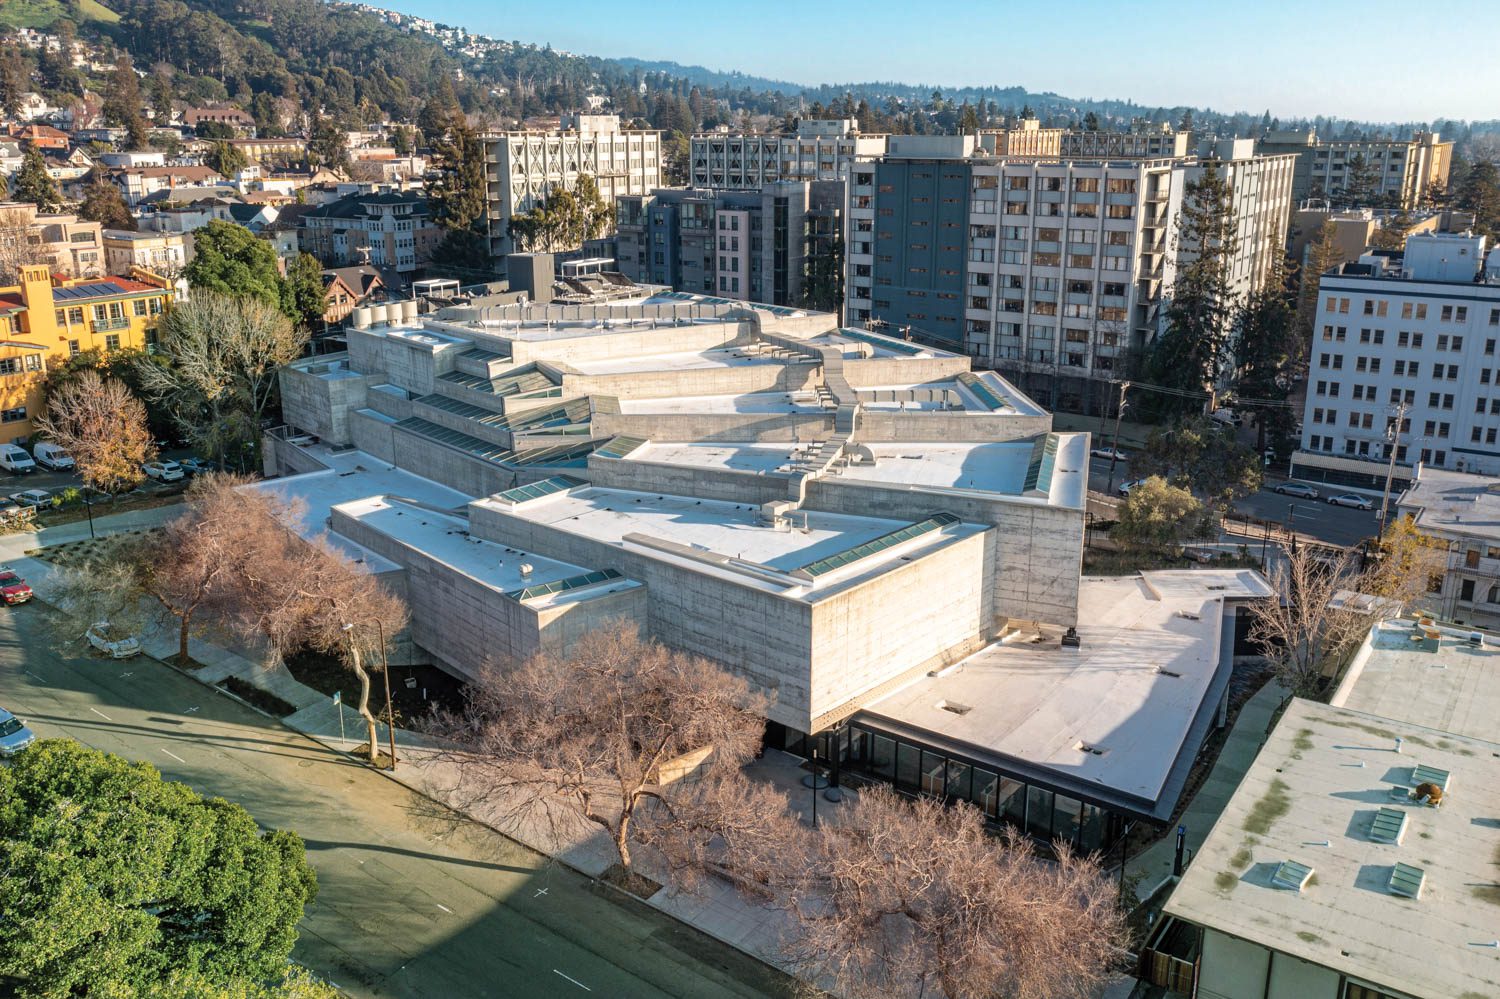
point(57, 483)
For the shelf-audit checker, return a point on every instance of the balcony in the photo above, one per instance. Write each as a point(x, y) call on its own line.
point(110, 325)
point(1479, 566)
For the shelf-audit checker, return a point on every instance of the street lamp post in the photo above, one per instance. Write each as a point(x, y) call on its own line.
point(1115, 447)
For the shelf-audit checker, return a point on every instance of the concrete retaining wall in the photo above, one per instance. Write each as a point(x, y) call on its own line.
point(373, 435)
point(746, 427)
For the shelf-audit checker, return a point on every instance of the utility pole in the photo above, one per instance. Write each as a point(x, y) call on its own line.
point(1390, 468)
point(1115, 448)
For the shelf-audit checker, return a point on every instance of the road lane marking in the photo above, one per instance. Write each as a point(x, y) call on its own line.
point(443, 907)
point(539, 893)
point(33, 676)
point(573, 980)
point(101, 714)
point(174, 756)
point(190, 710)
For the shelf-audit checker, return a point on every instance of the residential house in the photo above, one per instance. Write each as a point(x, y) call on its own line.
point(235, 118)
point(347, 288)
point(393, 231)
point(164, 254)
point(138, 183)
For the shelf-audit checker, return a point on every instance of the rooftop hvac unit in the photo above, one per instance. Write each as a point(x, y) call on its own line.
point(526, 570)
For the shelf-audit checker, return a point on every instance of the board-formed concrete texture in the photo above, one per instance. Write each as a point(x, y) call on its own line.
point(828, 511)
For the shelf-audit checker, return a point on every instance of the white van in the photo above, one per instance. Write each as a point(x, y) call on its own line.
point(13, 458)
point(52, 456)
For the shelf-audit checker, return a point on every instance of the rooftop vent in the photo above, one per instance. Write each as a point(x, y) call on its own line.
point(1406, 881)
point(1084, 747)
point(1389, 826)
point(955, 707)
point(1167, 672)
point(1422, 774)
point(1290, 874)
point(1189, 615)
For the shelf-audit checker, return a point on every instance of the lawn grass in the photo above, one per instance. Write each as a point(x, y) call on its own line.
point(44, 13)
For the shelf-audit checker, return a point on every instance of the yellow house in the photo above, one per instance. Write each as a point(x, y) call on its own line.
point(47, 319)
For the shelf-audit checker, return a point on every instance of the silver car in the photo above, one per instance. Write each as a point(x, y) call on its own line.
point(14, 735)
point(1299, 489)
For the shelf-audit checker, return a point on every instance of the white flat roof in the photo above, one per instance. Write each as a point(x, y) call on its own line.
point(1455, 689)
point(1149, 655)
point(719, 357)
point(1321, 777)
point(446, 539)
point(1454, 503)
point(750, 402)
point(732, 530)
point(983, 466)
point(353, 475)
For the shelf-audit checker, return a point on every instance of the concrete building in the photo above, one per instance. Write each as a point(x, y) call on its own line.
point(1416, 330)
point(1462, 510)
point(1403, 171)
point(1330, 875)
point(1143, 141)
point(821, 149)
point(1050, 270)
point(764, 487)
point(162, 253)
point(747, 245)
point(523, 167)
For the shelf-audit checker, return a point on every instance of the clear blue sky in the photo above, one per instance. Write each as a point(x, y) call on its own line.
point(1362, 59)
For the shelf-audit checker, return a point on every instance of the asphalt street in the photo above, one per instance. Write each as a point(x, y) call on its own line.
point(1343, 526)
point(413, 900)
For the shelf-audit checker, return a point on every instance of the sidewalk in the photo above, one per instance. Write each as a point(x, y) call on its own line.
point(716, 908)
point(1154, 864)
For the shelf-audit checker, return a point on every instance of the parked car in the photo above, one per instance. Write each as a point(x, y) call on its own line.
point(104, 637)
point(1351, 499)
point(198, 466)
point(164, 471)
point(52, 457)
point(13, 589)
point(14, 735)
point(8, 508)
point(32, 497)
point(1109, 452)
point(1194, 554)
point(1127, 486)
point(13, 458)
point(1301, 490)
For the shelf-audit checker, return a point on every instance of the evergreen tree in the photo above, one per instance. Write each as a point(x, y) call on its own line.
point(1359, 189)
point(1191, 352)
point(1480, 194)
point(1267, 352)
point(103, 203)
point(302, 292)
point(34, 184)
point(15, 78)
point(123, 102)
point(328, 144)
point(1091, 122)
point(1322, 253)
point(226, 159)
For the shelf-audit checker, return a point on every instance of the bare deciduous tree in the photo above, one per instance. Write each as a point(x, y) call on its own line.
point(225, 352)
point(632, 735)
point(1307, 634)
point(103, 426)
point(902, 897)
point(16, 246)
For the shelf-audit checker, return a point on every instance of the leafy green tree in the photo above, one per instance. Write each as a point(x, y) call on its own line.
point(1159, 515)
point(1192, 351)
point(328, 144)
point(564, 220)
point(1199, 454)
point(302, 292)
point(226, 159)
point(295, 983)
point(232, 260)
point(103, 203)
point(117, 880)
point(34, 184)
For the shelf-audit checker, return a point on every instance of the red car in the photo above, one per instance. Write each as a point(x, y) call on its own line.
point(13, 589)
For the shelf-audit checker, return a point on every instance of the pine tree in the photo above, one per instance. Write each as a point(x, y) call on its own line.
point(1267, 352)
point(15, 77)
point(34, 184)
point(103, 203)
point(1191, 352)
point(1359, 189)
point(123, 104)
point(1322, 253)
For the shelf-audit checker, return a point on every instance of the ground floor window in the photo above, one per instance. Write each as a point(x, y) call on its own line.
point(914, 768)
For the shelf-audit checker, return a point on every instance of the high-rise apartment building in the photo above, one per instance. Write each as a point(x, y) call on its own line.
point(1402, 170)
point(523, 167)
point(1143, 141)
point(1049, 269)
point(747, 245)
point(1411, 337)
point(822, 149)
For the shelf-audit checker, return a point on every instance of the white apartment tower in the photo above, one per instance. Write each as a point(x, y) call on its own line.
point(822, 149)
point(1413, 336)
point(523, 167)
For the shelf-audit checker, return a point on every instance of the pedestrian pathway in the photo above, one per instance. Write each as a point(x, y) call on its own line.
point(1154, 864)
point(715, 908)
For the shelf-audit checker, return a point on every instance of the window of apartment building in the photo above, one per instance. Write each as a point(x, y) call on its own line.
point(1432, 399)
point(1081, 260)
point(1015, 208)
point(1046, 259)
point(1087, 184)
point(138, 307)
point(101, 314)
point(1452, 372)
point(13, 415)
point(1120, 185)
point(1495, 317)
point(1117, 238)
point(112, 341)
point(1119, 211)
point(75, 316)
point(1429, 428)
point(73, 349)
point(1457, 343)
point(1322, 388)
point(1082, 211)
point(1018, 183)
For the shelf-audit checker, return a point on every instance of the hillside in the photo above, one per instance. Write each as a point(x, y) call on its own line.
point(43, 13)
